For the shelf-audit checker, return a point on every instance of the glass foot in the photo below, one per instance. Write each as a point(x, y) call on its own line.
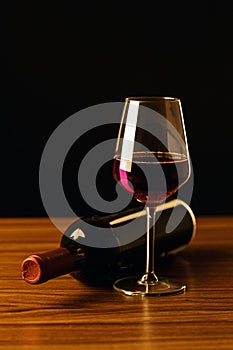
point(133, 286)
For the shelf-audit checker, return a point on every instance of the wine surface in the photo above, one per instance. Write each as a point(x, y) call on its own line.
point(172, 167)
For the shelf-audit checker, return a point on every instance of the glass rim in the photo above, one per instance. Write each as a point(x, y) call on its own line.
point(151, 98)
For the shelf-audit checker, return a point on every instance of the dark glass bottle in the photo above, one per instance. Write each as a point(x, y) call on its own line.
point(98, 266)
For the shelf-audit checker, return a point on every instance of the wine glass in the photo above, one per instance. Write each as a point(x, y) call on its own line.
point(152, 162)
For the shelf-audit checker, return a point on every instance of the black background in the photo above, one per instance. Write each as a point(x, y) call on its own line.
point(60, 57)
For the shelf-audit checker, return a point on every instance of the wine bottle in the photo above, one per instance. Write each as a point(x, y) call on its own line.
point(103, 265)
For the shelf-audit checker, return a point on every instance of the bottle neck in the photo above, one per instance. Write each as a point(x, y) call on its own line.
point(39, 268)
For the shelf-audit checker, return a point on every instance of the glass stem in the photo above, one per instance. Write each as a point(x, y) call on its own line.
point(150, 277)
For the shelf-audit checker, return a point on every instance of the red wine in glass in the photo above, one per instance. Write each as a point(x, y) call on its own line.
point(152, 162)
point(175, 169)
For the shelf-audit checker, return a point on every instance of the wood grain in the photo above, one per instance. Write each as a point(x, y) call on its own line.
point(66, 314)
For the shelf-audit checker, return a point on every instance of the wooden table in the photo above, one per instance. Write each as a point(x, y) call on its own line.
point(66, 314)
